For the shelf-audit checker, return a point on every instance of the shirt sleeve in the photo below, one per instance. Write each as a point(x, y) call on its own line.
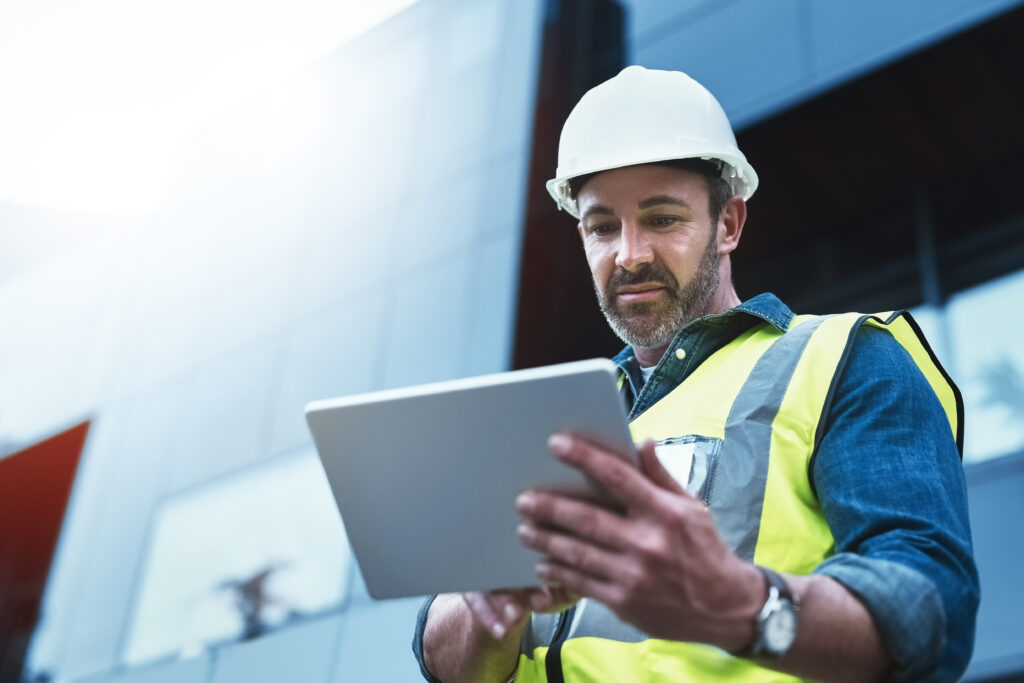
point(417, 639)
point(891, 485)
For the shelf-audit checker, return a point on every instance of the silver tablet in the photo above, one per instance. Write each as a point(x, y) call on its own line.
point(426, 477)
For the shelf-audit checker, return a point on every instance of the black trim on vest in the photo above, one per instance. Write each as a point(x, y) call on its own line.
point(949, 380)
point(553, 660)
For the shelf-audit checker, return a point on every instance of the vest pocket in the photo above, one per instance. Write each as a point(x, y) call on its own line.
point(691, 460)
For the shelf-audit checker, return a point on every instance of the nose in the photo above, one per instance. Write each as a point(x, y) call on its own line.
point(634, 247)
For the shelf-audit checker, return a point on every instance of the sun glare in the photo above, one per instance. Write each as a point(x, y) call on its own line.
point(96, 97)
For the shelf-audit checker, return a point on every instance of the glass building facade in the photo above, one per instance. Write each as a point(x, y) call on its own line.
point(392, 232)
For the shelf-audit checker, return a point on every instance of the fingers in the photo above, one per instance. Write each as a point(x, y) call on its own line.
point(550, 598)
point(543, 598)
point(570, 551)
point(500, 611)
point(581, 519)
point(651, 466)
point(579, 583)
point(623, 481)
point(496, 611)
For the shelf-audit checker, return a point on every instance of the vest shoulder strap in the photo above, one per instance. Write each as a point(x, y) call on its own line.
point(902, 326)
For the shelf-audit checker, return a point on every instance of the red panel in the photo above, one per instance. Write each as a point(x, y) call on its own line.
point(34, 487)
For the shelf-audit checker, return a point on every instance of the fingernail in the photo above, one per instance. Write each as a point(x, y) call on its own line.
point(560, 444)
point(543, 570)
point(511, 612)
point(526, 502)
point(526, 532)
point(498, 630)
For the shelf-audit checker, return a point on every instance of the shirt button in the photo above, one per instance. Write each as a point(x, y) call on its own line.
point(680, 354)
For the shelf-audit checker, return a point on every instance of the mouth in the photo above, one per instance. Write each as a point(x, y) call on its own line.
point(642, 292)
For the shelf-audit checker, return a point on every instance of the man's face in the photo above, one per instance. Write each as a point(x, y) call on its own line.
point(652, 250)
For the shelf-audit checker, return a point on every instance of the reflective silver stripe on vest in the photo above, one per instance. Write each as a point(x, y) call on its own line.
point(538, 633)
point(736, 488)
point(594, 620)
point(737, 485)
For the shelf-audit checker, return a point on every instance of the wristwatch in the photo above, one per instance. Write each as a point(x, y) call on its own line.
point(778, 620)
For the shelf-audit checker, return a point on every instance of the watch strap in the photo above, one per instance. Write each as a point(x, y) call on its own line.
point(773, 578)
point(775, 588)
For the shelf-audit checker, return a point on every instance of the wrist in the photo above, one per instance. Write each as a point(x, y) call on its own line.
point(739, 631)
point(776, 624)
point(458, 647)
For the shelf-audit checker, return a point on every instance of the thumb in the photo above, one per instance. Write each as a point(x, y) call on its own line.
point(652, 468)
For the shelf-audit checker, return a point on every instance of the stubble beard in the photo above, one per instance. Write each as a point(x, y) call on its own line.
point(642, 324)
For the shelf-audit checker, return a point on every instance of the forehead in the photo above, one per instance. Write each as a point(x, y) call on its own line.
point(625, 188)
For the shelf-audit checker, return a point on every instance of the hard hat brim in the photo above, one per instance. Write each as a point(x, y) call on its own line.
point(737, 170)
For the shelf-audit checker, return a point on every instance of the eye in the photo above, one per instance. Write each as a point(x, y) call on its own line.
point(602, 229)
point(663, 221)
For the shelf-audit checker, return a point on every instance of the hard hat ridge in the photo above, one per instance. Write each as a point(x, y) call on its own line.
point(644, 116)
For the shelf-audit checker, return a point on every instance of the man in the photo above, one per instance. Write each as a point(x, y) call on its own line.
point(821, 530)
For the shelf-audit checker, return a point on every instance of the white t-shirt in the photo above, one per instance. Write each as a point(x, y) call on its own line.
point(647, 372)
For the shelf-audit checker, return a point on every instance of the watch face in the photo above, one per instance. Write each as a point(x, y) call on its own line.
point(780, 629)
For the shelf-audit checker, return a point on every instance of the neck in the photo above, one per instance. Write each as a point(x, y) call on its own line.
point(724, 299)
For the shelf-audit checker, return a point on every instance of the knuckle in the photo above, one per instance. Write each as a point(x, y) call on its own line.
point(628, 577)
point(477, 605)
point(650, 546)
point(587, 523)
point(639, 581)
point(577, 554)
point(665, 507)
point(555, 544)
point(675, 518)
point(618, 597)
point(614, 472)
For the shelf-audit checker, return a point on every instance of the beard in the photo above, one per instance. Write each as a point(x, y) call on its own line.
point(650, 324)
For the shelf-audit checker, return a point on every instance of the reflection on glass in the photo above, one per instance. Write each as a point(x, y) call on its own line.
point(238, 557)
point(986, 325)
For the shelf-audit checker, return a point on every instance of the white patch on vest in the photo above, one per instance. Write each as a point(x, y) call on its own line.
point(677, 458)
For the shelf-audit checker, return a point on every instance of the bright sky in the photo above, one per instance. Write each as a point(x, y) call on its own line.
point(95, 95)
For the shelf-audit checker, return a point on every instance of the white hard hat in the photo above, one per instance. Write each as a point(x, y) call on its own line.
point(642, 116)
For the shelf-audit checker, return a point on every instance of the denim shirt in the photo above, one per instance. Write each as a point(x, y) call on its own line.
point(888, 475)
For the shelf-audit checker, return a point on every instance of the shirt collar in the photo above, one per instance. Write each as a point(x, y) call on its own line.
point(769, 308)
point(765, 306)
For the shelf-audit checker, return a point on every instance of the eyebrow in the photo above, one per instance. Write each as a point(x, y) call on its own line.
point(662, 199)
point(599, 209)
point(602, 210)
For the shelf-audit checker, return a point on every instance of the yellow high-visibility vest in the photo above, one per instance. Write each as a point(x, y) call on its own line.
point(749, 419)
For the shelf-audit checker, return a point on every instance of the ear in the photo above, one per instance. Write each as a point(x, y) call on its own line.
point(730, 224)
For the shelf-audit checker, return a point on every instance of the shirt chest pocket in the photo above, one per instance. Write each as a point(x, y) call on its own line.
point(691, 460)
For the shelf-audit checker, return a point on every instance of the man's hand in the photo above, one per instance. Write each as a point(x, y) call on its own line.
point(502, 611)
point(659, 565)
point(475, 636)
